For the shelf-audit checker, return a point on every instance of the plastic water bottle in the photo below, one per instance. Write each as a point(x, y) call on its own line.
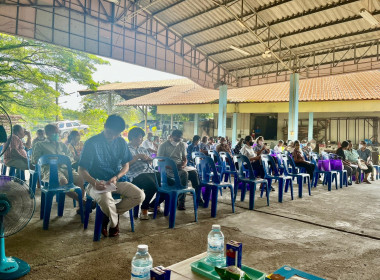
point(215, 248)
point(142, 262)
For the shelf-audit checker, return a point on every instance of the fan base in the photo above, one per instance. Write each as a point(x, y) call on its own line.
point(23, 268)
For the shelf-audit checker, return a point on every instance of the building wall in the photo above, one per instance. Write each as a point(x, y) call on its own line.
point(338, 130)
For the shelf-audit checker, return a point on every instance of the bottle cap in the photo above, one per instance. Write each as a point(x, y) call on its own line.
point(142, 248)
point(216, 227)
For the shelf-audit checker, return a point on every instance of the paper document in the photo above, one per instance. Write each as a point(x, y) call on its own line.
point(109, 188)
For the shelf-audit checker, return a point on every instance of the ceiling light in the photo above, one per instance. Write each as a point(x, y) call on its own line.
point(239, 50)
point(241, 23)
point(267, 54)
point(369, 17)
point(113, 1)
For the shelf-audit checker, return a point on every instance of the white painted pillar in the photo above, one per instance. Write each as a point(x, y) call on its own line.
point(222, 117)
point(234, 128)
point(196, 121)
point(293, 107)
point(171, 122)
point(311, 126)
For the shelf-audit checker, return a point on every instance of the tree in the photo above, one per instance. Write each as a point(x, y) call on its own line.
point(102, 101)
point(32, 74)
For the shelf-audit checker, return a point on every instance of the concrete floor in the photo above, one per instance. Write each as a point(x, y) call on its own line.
point(335, 235)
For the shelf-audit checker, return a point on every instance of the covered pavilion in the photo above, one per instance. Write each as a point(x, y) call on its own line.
point(218, 44)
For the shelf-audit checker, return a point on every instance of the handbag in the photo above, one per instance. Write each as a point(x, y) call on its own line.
point(362, 164)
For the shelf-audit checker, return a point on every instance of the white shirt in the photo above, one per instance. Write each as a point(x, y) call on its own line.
point(277, 149)
point(148, 145)
point(248, 151)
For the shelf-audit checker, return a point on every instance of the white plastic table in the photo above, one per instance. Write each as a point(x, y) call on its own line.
point(182, 270)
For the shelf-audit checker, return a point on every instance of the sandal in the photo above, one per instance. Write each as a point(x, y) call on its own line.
point(367, 182)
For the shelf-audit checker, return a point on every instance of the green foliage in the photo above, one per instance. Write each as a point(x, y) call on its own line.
point(95, 119)
point(32, 74)
point(102, 101)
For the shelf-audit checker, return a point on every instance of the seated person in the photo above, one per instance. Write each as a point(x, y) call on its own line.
point(149, 144)
point(223, 146)
point(176, 150)
point(365, 155)
point(40, 137)
point(261, 147)
point(300, 161)
point(352, 156)
point(351, 169)
point(52, 146)
point(104, 161)
point(203, 147)
point(279, 147)
point(238, 146)
point(193, 147)
point(75, 146)
point(210, 144)
point(156, 142)
point(248, 151)
point(15, 155)
point(141, 172)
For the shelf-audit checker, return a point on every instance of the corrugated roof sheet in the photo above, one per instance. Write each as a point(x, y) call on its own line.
point(304, 26)
point(141, 85)
point(356, 86)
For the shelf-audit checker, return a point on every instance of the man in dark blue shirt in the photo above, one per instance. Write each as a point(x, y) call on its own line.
point(104, 161)
point(193, 147)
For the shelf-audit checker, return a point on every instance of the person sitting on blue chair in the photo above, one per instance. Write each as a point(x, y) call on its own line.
point(15, 155)
point(300, 161)
point(176, 150)
point(249, 152)
point(104, 161)
point(40, 136)
point(141, 172)
point(52, 146)
point(193, 147)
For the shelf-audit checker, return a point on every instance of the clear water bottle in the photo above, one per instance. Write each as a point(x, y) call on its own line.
point(142, 262)
point(215, 248)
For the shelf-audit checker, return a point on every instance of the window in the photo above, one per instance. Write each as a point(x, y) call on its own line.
point(61, 125)
point(76, 124)
point(229, 123)
point(69, 125)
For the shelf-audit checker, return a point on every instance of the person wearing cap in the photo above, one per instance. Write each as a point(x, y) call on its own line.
point(104, 161)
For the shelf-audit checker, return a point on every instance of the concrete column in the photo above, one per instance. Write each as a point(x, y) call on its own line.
point(171, 122)
point(293, 107)
point(196, 121)
point(311, 126)
point(222, 117)
point(234, 128)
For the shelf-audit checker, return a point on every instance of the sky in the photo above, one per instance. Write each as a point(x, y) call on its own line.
point(116, 71)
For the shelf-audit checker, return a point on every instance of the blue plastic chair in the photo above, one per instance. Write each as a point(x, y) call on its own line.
point(328, 176)
point(33, 174)
point(228, 167)
point(99, 217)
point(246, 176)
point(51, 188)
point(283, 180)
point(210, 179)
point(163, 165)
point(301, 177)
point(217, 160)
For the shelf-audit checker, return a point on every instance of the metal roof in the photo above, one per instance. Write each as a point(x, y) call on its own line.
point(348, 87)
point(129, 86)
point(193, 38)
